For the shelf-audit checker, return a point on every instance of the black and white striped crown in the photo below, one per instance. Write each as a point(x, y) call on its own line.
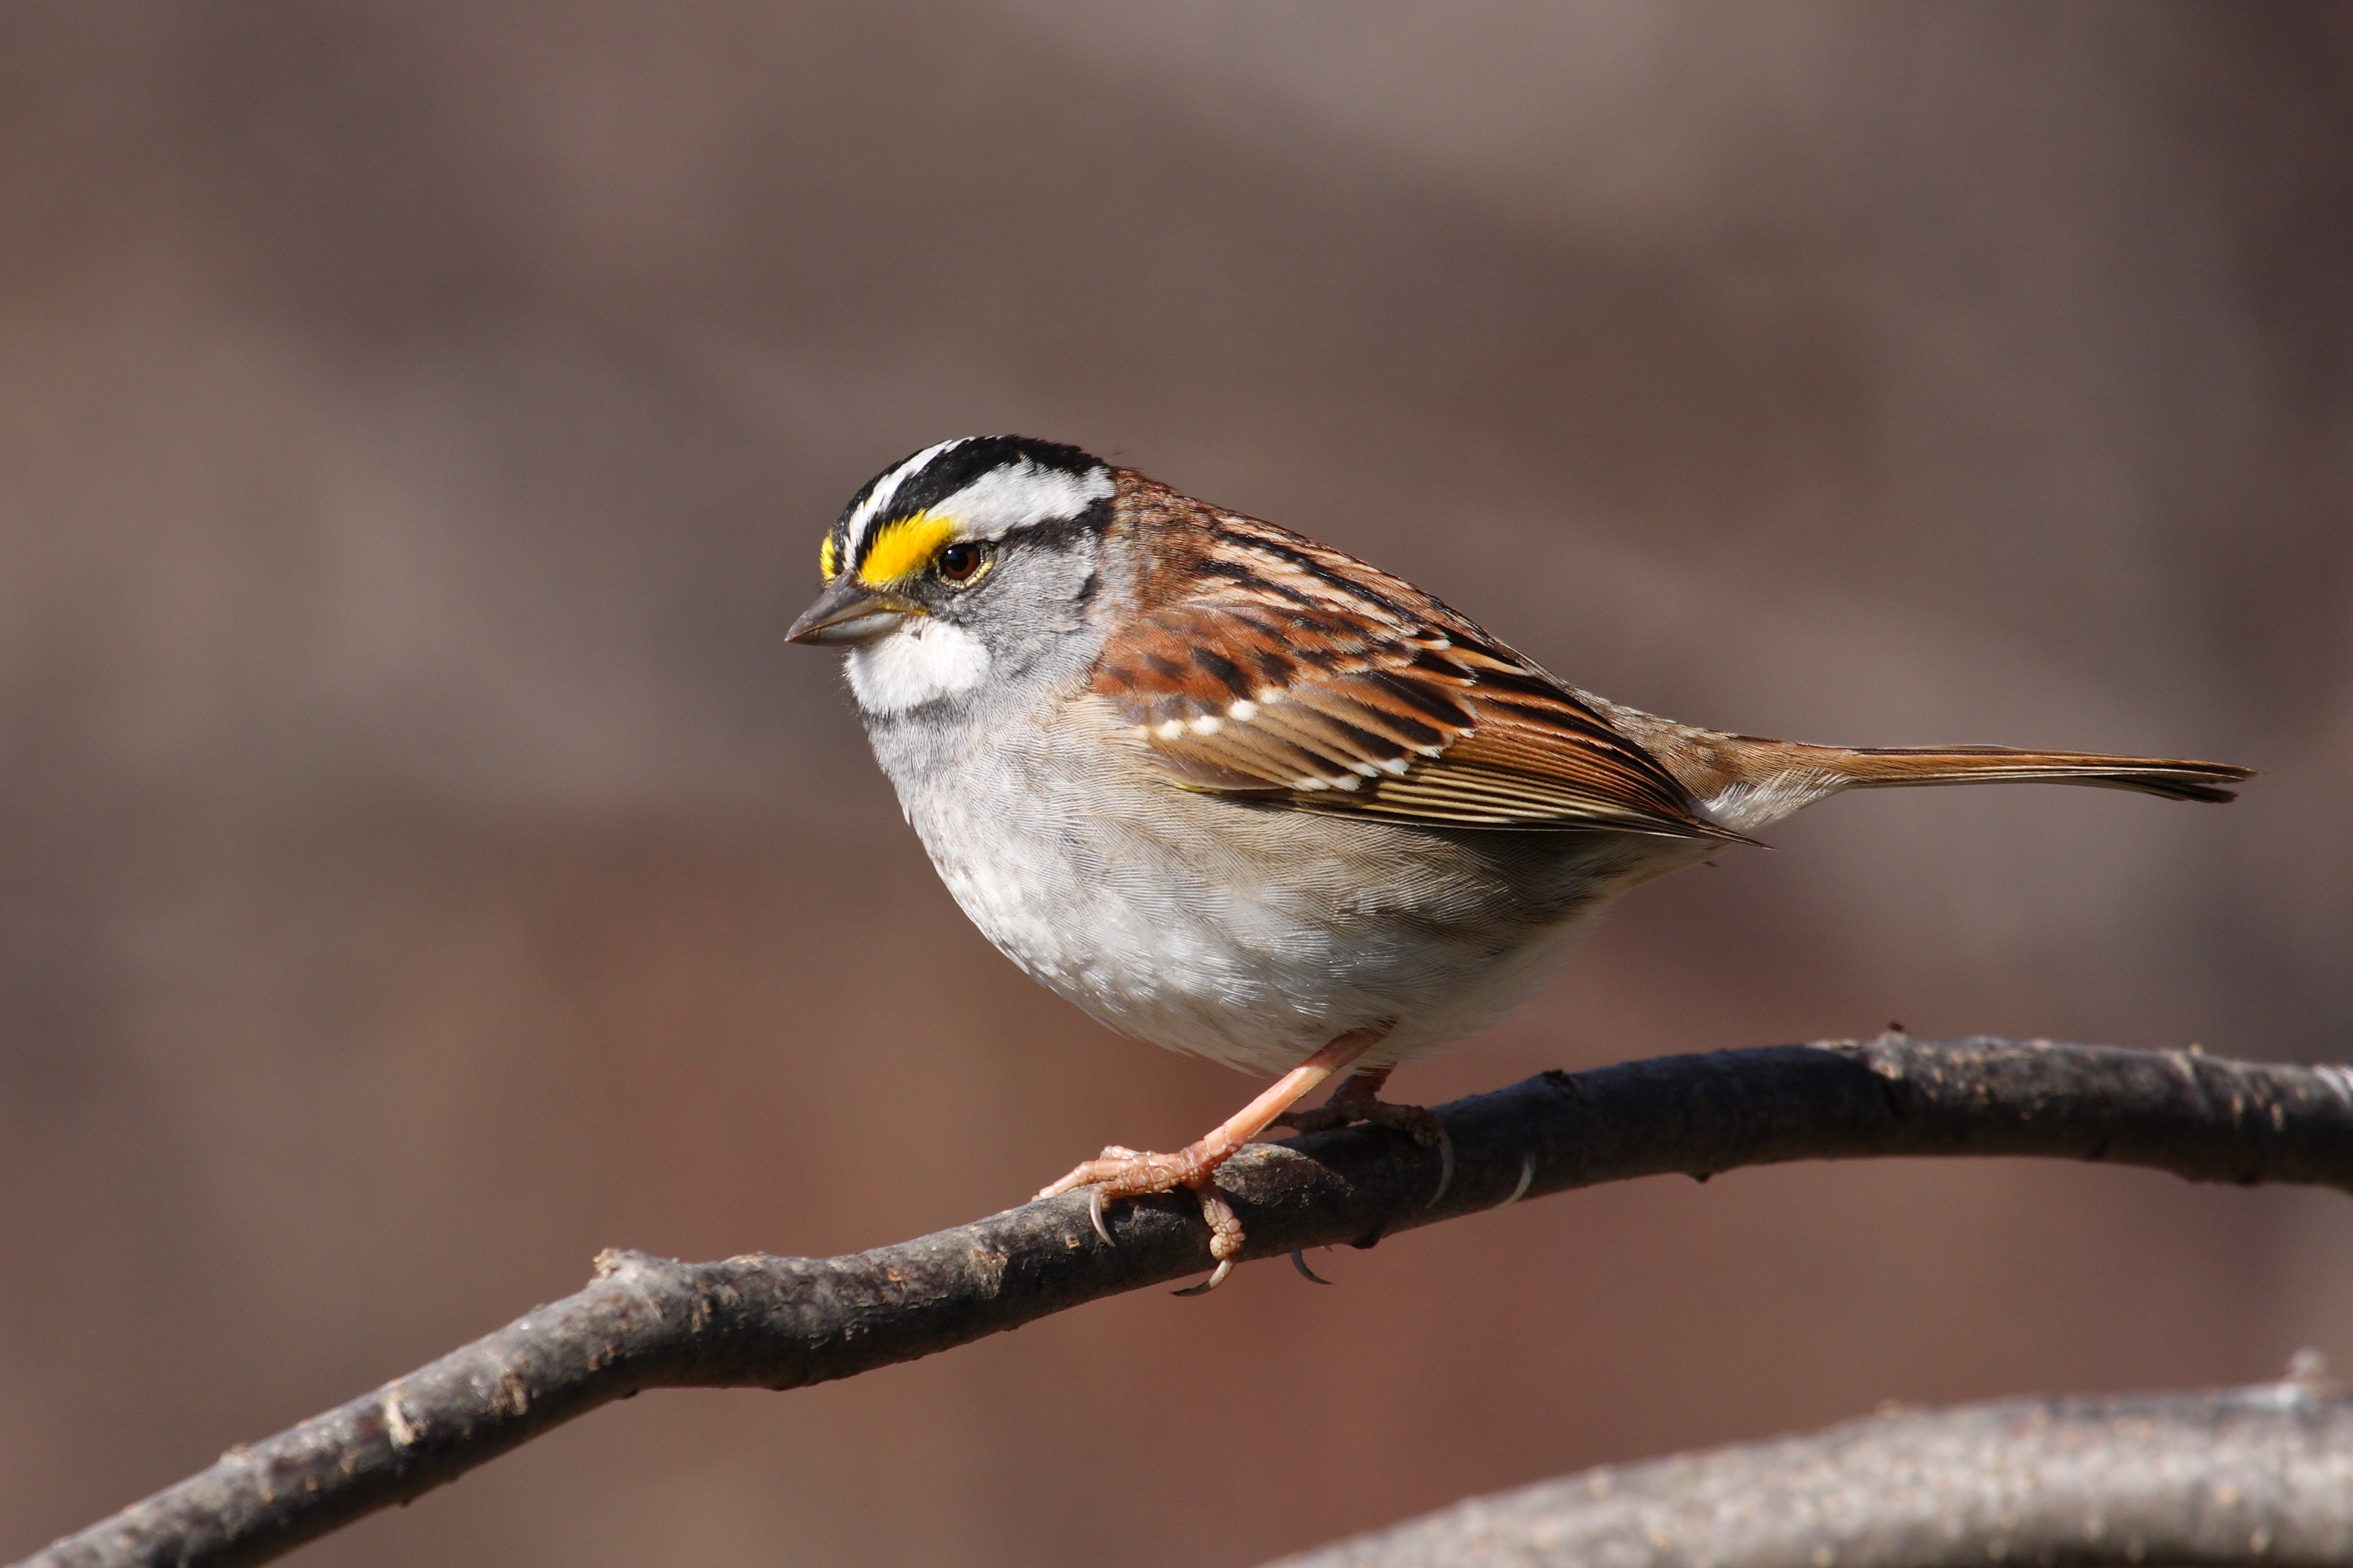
point(986, 486)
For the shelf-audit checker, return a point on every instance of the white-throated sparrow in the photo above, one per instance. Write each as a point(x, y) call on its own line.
point(1235, 793)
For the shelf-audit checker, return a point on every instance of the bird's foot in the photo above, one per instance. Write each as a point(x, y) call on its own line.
point(1120, 1173)
point(1358, 1099)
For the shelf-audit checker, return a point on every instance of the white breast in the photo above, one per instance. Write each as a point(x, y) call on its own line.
point(1248, 936)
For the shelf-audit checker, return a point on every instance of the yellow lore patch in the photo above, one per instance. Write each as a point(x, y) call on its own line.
point(904, 548)
point(825, 561)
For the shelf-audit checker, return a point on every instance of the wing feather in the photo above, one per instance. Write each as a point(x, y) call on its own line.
point(1281, 669)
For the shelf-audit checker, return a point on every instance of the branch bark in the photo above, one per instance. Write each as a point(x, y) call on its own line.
point(2224, 1477)
point(782, 1322)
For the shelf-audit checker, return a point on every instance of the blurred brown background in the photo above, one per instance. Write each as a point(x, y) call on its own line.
point(423, 864)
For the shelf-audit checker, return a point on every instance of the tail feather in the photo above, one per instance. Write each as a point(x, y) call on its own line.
point(1886, 767)
point(1747, 782)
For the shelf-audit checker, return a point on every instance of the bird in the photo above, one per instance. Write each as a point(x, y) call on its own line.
point(1238, 793)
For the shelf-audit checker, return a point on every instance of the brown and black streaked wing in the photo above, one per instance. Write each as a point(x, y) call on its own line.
point(1294, 672)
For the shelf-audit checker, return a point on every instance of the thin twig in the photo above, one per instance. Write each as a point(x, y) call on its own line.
point(2220, 1476)
point(781, 1322)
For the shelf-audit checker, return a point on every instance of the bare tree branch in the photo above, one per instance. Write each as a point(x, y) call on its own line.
point(2228, 1475)
point(781, 1322)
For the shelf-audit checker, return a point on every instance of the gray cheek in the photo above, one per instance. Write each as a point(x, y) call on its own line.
point(1033, 618)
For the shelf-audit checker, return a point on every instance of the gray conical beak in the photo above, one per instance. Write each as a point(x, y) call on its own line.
point(851, 613)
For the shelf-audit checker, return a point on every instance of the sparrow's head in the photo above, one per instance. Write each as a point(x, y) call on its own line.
point(949, 563)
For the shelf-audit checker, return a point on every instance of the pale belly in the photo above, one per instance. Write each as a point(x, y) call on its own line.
point(1253, 936)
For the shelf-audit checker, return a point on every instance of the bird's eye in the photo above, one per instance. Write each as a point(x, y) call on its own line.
point(960, 562)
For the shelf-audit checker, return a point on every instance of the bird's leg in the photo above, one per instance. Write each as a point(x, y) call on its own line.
point(1357, 1100)
point(1120, 1173)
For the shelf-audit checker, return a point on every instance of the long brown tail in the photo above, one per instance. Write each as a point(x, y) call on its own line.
point(1747, 782)
point(1882, 767)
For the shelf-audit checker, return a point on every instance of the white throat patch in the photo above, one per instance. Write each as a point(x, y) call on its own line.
point(926, 660)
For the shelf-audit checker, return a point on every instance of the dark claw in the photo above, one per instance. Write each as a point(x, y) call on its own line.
point(1094, 1212)
point(1298, 1261)
point(1445, 1167)
point(1217, 1278)
point(1528, 1175)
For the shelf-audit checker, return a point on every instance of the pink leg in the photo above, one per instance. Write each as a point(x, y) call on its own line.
point(1126, 1174)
